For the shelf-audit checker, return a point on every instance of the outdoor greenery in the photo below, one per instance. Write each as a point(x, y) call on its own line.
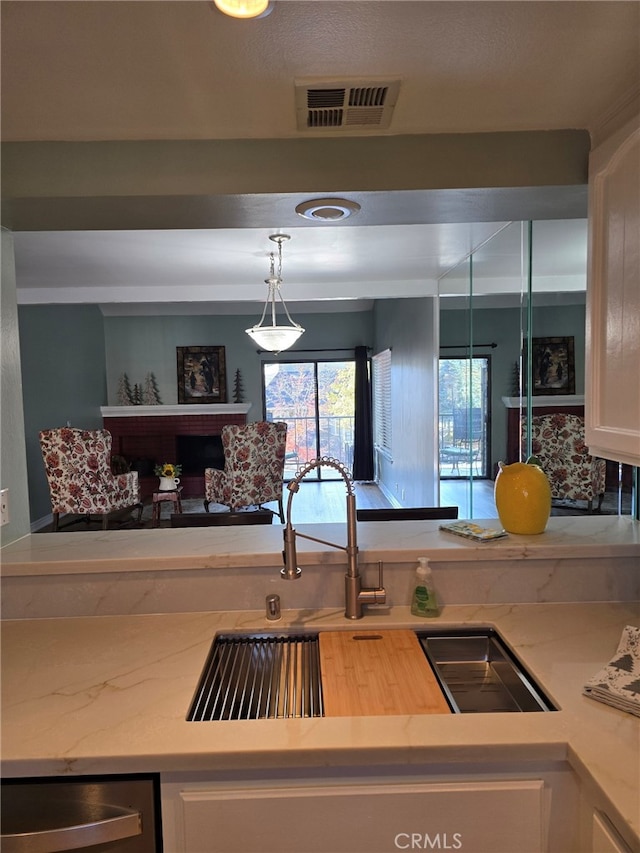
point(316, 400)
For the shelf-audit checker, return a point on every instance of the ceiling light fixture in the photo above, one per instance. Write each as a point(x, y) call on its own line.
point(327, 209)
point(274, 338)
point(245, 8)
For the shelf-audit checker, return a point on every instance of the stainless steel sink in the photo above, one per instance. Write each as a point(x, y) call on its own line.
point(277, 676)
point(479, 675)
point(260, 677)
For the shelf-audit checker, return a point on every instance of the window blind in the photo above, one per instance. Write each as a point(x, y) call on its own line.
point(381, 375)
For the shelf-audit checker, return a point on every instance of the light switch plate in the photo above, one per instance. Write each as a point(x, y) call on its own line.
point(4, 507)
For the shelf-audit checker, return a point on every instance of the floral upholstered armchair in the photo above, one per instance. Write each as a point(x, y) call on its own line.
point(78, 467)
point(253, 467)
point(557, 440)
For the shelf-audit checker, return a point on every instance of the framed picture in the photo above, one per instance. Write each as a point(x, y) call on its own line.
point(201, 375)
point(553, 366)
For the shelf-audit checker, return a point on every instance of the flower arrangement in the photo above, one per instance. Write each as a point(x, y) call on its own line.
point(168, 469)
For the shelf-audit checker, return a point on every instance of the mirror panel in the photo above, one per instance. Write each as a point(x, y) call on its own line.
point(512, 347)
point(481, 329)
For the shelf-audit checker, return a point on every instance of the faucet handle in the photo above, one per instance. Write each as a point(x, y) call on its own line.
point(380, 587)
point(374, 596)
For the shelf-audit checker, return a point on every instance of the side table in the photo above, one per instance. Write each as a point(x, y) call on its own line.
point(159, 498)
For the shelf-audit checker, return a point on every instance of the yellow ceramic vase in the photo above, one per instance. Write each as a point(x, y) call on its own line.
point(523, 497)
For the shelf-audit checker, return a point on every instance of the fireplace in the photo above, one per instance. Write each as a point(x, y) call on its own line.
point(197, 452)
point(185, 434)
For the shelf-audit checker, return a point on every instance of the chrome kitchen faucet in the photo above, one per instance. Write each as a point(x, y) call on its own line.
point(355, 594)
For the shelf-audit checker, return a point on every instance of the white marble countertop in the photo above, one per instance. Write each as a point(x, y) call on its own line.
point(109, 694)
point(229, 547)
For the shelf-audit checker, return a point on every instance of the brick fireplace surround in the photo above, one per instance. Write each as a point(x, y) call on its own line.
point(147, 435)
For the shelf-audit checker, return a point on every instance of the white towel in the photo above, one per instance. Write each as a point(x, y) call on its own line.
point(618, 683)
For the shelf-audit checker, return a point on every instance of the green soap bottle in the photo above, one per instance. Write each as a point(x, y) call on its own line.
point(424, 601)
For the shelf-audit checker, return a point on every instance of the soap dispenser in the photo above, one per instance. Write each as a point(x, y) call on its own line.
point(424, 601)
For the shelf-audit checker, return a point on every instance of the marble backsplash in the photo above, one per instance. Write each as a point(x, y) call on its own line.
point(230, 569)
point(320, 586)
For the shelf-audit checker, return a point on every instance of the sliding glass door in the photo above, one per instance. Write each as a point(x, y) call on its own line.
point(316, 400)
point(465, 417)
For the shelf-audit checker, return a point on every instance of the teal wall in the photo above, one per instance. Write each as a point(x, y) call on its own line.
point(409, 327)
point(13, 460)
point(63, 368)
point(139, 345)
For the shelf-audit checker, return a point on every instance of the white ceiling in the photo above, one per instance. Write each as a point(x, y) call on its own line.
point(96, 69)
point(178, 70)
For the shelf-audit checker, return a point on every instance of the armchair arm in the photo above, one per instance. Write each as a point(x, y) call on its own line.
point(214, 485)
point(598, 475)
point(125, 490)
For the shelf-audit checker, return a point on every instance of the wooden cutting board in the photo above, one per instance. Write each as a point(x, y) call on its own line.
point(371, 673)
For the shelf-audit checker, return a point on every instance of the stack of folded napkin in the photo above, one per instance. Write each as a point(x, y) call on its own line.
point(618, 684)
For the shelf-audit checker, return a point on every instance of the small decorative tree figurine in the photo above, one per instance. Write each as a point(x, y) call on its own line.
point(125, 394)
point(150, 394)
point(137, 395)
point(238, 390)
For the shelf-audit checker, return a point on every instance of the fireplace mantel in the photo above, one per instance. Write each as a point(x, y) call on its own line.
point(572, 404)
point(146, 436)
point(558, 401)
point(159, 411)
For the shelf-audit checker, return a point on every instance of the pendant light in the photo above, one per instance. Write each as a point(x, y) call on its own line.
point(275, 338)
point(244, 8)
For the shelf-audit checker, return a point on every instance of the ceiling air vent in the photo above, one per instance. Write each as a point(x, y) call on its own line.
point(353, 105)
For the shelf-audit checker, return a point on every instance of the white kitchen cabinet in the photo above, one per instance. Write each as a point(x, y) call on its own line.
point(500, 816)
point(612, 387)
point(605, 838)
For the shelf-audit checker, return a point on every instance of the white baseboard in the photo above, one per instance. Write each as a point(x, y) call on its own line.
point(39, 523)
point(393, 500)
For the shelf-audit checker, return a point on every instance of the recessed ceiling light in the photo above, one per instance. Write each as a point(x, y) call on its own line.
point(327, 209)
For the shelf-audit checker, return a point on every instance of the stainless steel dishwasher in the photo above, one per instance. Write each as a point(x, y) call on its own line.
point(107, 813)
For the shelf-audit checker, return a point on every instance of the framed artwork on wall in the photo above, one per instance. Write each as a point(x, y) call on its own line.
point(201, 375)
point(553, 366)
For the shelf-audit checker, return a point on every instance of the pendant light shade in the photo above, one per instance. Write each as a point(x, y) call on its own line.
point(271, 336)
point(244, 8)
point(275, 339)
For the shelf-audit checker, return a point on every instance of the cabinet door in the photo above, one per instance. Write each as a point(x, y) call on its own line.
point(605, 837)
point(612, 391)
point(496, 817)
